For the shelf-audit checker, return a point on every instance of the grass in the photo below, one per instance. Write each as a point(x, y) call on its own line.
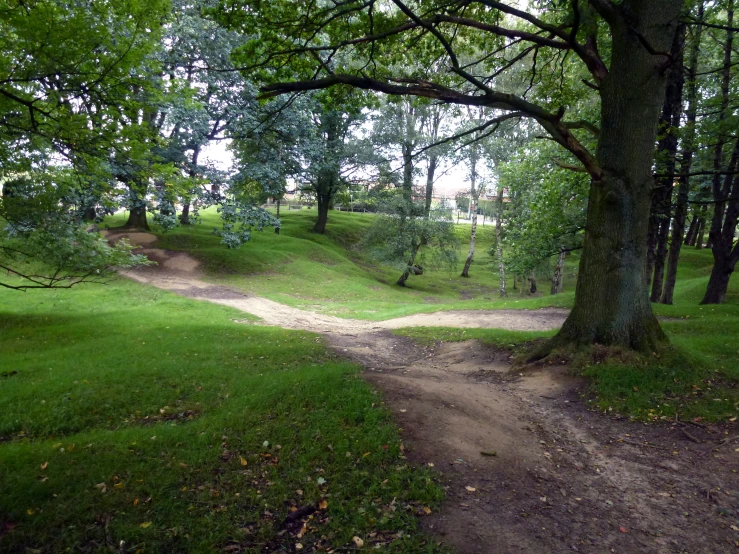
point(130, 414)
point(328, 274)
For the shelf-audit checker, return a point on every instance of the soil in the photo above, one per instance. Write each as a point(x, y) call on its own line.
point(527, 466)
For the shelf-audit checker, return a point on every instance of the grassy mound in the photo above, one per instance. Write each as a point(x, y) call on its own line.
point(330, 274)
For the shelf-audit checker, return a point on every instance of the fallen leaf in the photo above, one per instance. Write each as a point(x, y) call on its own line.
point(136, 502)
point(102, 487)
point(359, 542)
point(145, 525)
point(322, 505)
point(427, 510)
point(366, 454)
point(118, 485)
point(243, 461)
point(623, 529)
point(470, 489)
point(321, 481)
point(44, 466)
point(298, 546)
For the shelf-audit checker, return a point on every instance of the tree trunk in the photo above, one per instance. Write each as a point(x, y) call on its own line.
point(686, 162)
point(474, 197)
point(723, 233)
point(323, 201)
point(411, 262)
point(278, 207)
point(408, 171)
point(90, 213)
point(690, 235)
point(532, 283)
point(499, 242)
point(185, 215)
point(612, 299)
point(473, 236)
point(433, 160)
point(667, 157)
point(137, 219)
point(557, 278)
point(700, 233)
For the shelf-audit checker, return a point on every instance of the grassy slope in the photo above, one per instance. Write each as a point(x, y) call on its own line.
point(326, 273)
point(168, 403)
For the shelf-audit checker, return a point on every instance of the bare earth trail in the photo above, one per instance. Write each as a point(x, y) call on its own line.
point(527, 467)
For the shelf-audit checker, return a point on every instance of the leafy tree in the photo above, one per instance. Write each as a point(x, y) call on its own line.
point(59, 113)
point(547, 211)
point(622, 51)
point(407, 238)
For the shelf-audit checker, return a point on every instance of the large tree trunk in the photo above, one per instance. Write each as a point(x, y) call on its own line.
point(499, 242)
point(612, 299)
point(137, 219)
point(686, 162)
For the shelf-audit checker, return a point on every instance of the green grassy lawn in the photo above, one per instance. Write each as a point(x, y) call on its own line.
point(130, 414)
point(327, 273)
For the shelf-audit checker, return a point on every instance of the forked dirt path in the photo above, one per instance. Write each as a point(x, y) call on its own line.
point(527, 467)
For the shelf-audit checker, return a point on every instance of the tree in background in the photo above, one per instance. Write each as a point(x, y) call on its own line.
point(407, 238)
point(59, 124)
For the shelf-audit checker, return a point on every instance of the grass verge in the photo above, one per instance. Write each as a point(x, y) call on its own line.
point(132, 416)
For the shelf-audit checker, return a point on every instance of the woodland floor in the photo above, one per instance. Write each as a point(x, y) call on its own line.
point(527, 467)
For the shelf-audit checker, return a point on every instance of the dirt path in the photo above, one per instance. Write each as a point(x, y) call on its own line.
point(548, 475)
point(178, 272)
point(527, 467)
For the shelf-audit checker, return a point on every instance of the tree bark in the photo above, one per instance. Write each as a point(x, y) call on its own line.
point(686, 162)
point(474, 197)
point(185, 215)
point(690, 236)
point(725, 252)
point(700, 233)
point(612, 299)
point(323, 204)
point(411, 263)
point(667, 156)
point(433, 160)
point(137, 219)
point(499, 242)
point(473, 236)
point(557, 278)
